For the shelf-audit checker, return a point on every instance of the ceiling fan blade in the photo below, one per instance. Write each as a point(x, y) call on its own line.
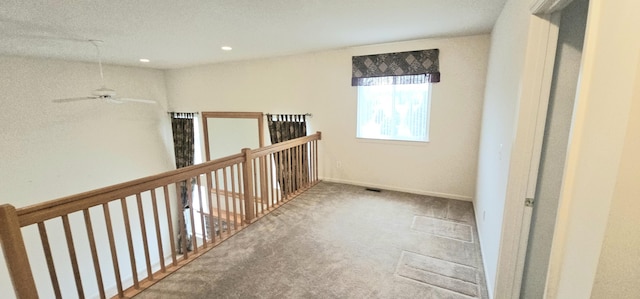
point(136, 100)
point(73, 99)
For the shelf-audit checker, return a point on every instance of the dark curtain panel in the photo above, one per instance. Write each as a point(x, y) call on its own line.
point(424, 65)
point(283, 127)
point(183, 145)
point(183, 142)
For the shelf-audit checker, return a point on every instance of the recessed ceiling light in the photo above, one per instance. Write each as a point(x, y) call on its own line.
point(144, 60)
point(226, 48)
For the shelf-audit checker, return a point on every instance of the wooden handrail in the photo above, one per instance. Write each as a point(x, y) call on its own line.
point(55, 208)
point(274, 148)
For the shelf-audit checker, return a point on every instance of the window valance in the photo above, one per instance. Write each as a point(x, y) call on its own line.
point(423, 64)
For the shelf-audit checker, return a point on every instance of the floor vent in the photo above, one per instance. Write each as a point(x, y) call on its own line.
point(373, 189)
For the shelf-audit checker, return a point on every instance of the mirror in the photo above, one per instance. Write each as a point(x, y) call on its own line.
point(227, 133)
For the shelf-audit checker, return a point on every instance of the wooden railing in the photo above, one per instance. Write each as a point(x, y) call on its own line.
point(119, 240)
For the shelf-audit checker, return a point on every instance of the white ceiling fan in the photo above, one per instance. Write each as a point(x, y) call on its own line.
point(103, 93)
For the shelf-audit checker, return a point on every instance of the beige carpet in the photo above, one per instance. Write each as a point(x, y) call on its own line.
point(341, 241)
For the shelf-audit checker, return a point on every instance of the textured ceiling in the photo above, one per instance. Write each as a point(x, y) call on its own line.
point(183, 33)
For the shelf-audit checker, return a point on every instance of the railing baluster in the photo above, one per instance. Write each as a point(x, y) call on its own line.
point(308, 157)
point(315, 162)
point(299, 168)
point(127, 228)
point(285, 174)
point(50, 264)
point(112, 247)
point(290, 174)
point(233, 197)
point(182, 222)
point(170, 222)
point(260, 184)
point(312, 161)
point(194, 240)
point(256, 200)
point(156, 221)
point(270, 175)
point(212, 226)
point(143, 230)
point(294, 173)
point(204, 229)
point(243, 214)
point(312, 164)
point(315, 149)
point(309, 164)
point(218, 203)
point(292, 170)
point(263, 184)
point(227, 207)
point(279, 176)
point(72, 255)
point(94, 252)
point(305, 166)
point(298, 172)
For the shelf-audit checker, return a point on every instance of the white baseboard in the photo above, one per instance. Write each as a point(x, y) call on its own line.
point(484, 258)
point(407, 190)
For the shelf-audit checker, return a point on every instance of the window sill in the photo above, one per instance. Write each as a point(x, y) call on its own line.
point(392, 142)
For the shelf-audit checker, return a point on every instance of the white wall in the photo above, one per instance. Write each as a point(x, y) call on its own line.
point(224, 142)
point(319, 83)
point(52, 150)
point(506, 63)
point(595, 246)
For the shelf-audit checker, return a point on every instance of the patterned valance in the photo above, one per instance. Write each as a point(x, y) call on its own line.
point(423, 64)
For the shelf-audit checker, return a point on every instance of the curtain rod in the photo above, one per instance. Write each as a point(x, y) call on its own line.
point(306, 114)
point(172, 112)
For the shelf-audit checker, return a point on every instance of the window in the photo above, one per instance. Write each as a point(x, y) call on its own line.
point(394, 112)
point(394, 91)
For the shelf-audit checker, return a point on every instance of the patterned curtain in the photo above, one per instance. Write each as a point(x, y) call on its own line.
point(416, 66)
point(283, 127)
point(183, 146)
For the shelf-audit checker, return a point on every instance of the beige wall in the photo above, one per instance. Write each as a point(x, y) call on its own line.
point(319, 83)
point(506, 63)
point(52, 150)
point(595, 246)
point(619, 266)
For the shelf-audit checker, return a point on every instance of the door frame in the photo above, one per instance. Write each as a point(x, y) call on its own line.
point(526, 152)
point(259, 116)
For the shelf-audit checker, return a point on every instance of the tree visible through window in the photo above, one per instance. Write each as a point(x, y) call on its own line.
point(394, 112)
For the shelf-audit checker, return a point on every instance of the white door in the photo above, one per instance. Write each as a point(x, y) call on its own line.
point(554, 149)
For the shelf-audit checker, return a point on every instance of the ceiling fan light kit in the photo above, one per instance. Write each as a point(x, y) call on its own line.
point(103, 93)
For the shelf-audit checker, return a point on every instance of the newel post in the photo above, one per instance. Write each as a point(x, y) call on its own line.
point(15, 254)
point(247, 181)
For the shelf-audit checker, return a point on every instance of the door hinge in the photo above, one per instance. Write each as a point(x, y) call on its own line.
point(528, 202)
